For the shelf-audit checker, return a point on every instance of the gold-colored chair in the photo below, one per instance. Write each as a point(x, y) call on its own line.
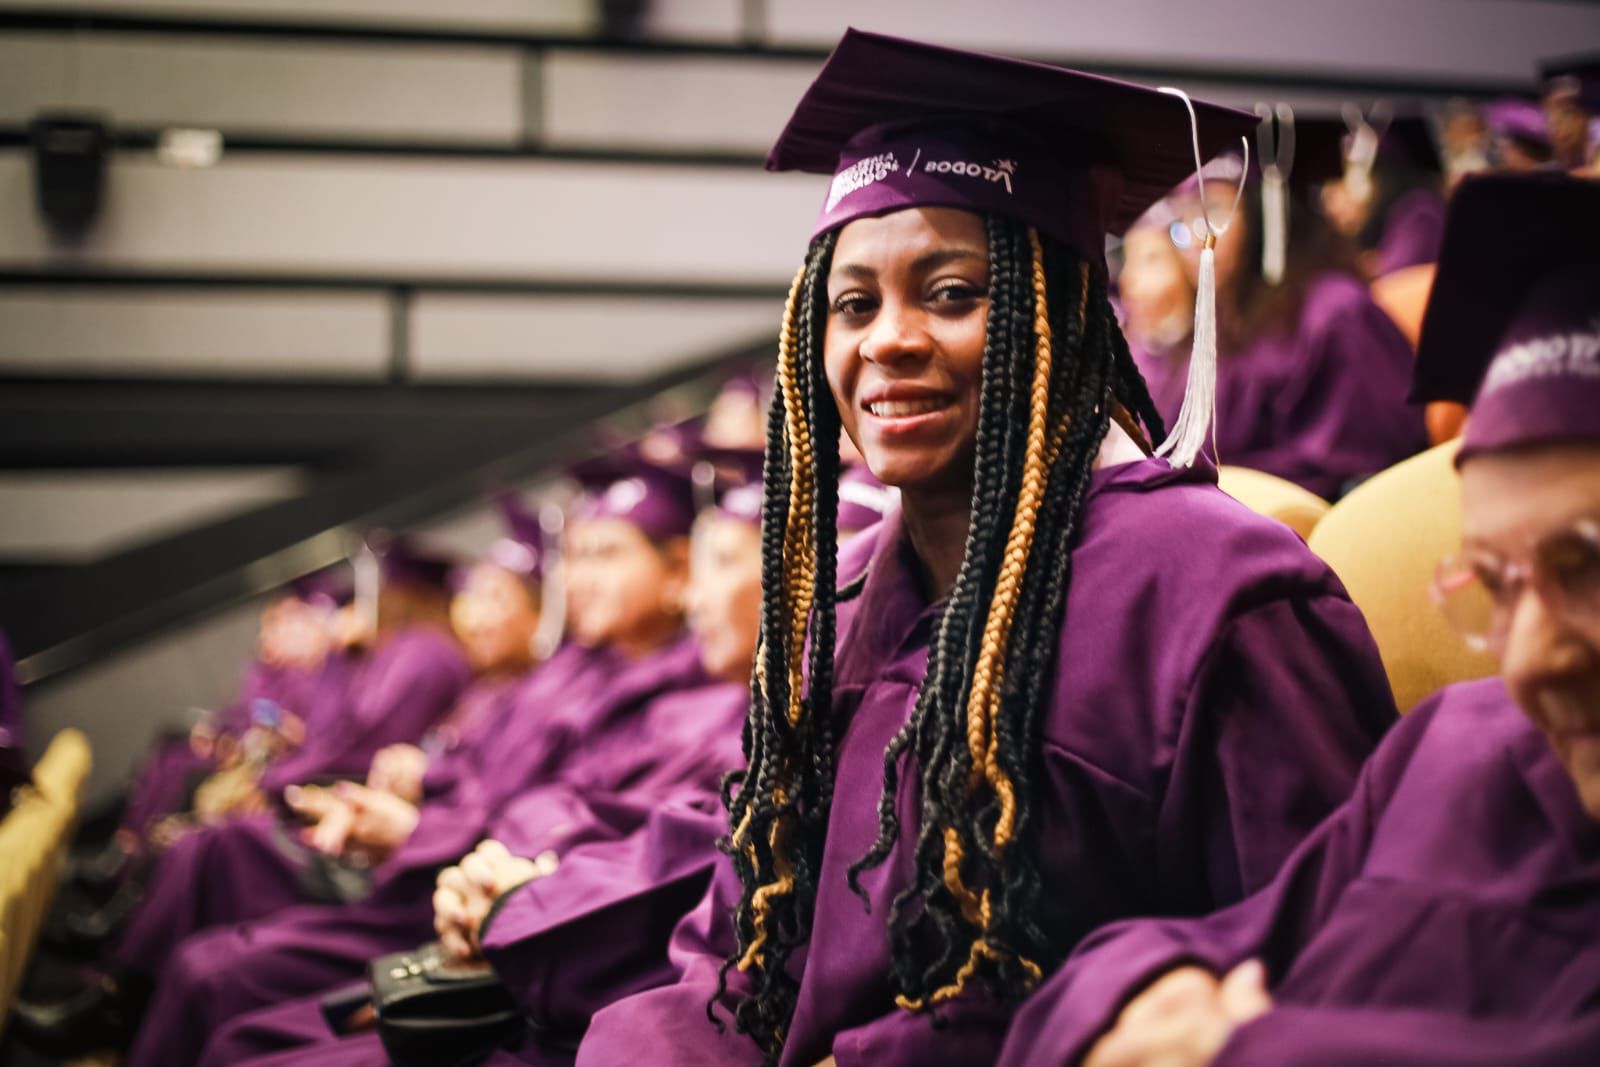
point(1384, 541)
point(33, 847)
point(1276, 498)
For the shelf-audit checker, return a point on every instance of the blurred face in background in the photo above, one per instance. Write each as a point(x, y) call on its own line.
point(495, 618)
point(1568, 125)
point(724, 594)
point(1156, 288)
point(622, 588)
point(1541, 507)
point(1188, 234)
point(295, 634)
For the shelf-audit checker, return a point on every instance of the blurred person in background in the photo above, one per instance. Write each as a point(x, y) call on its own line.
point(1572, 112)
point(585, 881)
point(1312, 376)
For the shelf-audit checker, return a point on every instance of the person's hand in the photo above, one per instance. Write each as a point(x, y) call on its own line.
point(466, 892)
point(1183, 1019)
point(364, 821)
point(398, 769)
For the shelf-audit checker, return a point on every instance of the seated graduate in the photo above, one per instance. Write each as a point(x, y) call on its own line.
point(1312, 375)
point(1391, 200)
point(1572, 111)
point(226, 870)
point(1449, 912)
point(574, 896)
point(296, 664)
point(625, 564)
point(1065, 681)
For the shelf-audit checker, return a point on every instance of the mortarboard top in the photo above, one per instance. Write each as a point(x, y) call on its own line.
point(1513, 321)
point(1578, 75)
point(1408, 143)
point(404, 561)
point(900, 123)
point(521, 550)
point(331, 585)
point(624, 484)
point(1318, 151)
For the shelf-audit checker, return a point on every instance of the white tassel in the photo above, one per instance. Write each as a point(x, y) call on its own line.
point(1188, 434)
point(553, 590)
point(1277, 160)
point(1274, 225)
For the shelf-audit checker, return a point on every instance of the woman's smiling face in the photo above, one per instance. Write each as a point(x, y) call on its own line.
point(908, 306)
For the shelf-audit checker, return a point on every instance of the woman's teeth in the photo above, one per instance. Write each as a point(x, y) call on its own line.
point(903, 409)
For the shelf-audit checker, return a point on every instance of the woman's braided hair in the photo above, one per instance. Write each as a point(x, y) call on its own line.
point(1055, 371)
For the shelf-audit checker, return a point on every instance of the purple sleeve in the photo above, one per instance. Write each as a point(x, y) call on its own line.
point(1078, 1004)
point(596, 930)
point(671, 1021)
point(425, 676)
point(1412, 232)
point(10, 697)
point(1328, 1037)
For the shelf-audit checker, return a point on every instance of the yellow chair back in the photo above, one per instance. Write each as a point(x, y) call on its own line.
point(1384, 541)
point(1276, 498)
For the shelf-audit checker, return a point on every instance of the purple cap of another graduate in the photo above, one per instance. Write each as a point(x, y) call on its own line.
point(902, 124)
point(330, 586)
point(1518, 120)
point(623, 484)
point(1577, 77)
point(403, 561)
point(521, 551)
point(863, 500)
point(1513, 322)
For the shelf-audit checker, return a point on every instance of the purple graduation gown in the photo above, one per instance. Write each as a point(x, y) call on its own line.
point(1413, 230)
point(634, 824)
point(396, 693)
point(1448, 912)
point(1323, 407)
point(164, 782)
point(1215, 693)
point(226, 972)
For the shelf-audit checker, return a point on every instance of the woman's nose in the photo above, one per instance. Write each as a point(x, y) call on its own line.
point(898, 332)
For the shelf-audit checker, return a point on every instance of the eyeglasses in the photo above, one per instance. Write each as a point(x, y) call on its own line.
point(1478, 591)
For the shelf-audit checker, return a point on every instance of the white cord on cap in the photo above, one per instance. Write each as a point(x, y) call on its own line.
point(1188, 434)
point(1277, 159)
point(553, 589)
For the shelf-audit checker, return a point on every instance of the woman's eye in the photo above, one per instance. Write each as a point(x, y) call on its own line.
point(957, 292)
point(853, 304)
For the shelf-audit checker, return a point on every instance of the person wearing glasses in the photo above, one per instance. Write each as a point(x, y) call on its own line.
point(1449, 912)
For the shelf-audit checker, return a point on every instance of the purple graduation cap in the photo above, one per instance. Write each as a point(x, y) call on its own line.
point(863, 500)
point(623, 484)
point(331, 586)
point(1520, 121)
point(521, 551)
point(402, 560)
point(901, 124)
point(1576, 77)
point(1513, 322)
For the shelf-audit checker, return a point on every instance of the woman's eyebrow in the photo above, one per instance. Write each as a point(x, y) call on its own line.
point(928, 261)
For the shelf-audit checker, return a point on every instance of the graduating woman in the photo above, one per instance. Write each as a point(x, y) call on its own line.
point(1064, 681)
point(1448, 912)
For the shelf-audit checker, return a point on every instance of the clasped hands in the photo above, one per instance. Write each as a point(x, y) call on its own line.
point(1184, 1018)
